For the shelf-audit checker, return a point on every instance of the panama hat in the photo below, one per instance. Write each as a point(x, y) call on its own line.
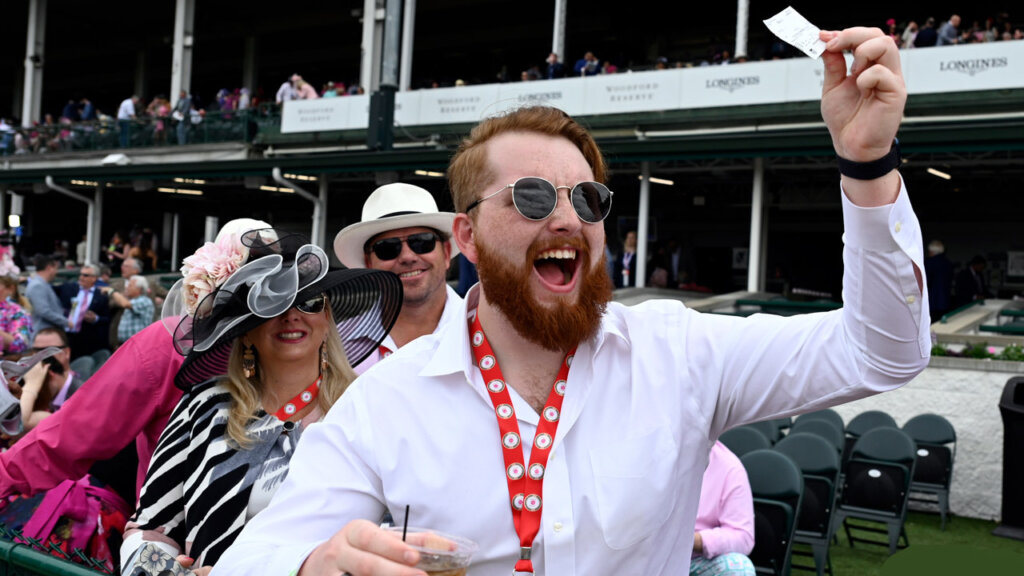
point(239, 283)
point(390, 207)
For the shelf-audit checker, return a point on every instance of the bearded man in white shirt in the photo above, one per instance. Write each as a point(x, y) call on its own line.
point(615, 446)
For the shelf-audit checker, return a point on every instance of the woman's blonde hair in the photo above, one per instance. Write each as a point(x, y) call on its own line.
point(246, 392)
point(18, 297)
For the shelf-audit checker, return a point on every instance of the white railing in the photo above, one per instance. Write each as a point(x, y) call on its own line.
point(971, 68)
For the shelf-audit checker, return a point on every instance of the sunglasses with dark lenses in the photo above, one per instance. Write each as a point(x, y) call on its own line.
point(390, 248)
point(536, 198)
point(314, 305)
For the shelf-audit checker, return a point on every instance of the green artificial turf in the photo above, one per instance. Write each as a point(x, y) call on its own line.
point(967, 547)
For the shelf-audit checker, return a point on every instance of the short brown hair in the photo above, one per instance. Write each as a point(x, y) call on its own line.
point(468, 171)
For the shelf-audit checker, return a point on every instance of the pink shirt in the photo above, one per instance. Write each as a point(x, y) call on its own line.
point(725, 516)
point(130, 397)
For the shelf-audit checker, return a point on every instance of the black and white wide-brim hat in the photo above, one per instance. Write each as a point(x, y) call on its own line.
point(278, 270)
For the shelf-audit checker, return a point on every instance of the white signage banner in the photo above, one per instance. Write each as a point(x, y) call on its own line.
point(563, 94)
point(630, 92)
point(992, 66)
point(316, 115)
point(972, 67)
point(457, 105)
point(734, 85)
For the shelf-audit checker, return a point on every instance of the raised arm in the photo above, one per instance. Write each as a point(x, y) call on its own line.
point(863, 108)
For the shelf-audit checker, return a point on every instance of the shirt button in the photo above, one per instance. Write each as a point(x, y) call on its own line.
point(558, 526)
point(899, 226)
point(911, 299)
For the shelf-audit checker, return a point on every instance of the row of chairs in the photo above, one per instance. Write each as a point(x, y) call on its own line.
point(824, 477)
point(86, 366)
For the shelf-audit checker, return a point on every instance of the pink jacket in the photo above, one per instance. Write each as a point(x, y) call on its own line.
point(725, 515)
point(130, 397)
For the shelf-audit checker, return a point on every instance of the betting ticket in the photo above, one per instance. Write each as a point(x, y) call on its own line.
point(790, 26)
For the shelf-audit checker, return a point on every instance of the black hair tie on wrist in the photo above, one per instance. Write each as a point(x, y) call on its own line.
point(873, 169)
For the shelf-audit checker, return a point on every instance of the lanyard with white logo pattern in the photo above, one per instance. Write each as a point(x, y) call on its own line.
point(525, 485)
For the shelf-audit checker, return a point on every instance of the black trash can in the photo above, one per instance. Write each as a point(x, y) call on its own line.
point(1011, 406)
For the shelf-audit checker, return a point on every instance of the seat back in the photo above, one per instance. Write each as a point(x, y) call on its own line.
point(770, 429)
point(863, 422)
point(822, 428)
point(818, 461)
point(743, 440)
point(878, 474)
point(84, 366)
point(827, 414)
point(869, 420)
point(100, 356)
point(936, 448)
point(777, 487)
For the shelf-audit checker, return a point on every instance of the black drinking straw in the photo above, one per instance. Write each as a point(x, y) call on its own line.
point(405, 526)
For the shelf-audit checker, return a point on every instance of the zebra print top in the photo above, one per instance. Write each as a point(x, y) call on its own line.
point(200, 486)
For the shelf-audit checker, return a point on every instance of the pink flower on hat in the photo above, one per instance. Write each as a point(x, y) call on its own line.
point(209, 267)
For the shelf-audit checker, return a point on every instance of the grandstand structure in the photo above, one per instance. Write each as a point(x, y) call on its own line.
point(754, 189)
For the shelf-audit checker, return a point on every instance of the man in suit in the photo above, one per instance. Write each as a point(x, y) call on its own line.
point(625, 262)
point(88, 313)
point(47, 311)
point(970, 283)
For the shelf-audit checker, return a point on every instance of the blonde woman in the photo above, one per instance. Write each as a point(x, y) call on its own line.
point(264, 359)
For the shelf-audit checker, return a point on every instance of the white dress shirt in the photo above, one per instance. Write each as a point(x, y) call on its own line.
point(645, 400)
point(126, 111)
point(452, 305)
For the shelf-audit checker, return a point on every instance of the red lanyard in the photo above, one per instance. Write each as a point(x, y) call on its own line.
point(299, 402)
point(525, 485)
point(384, 351)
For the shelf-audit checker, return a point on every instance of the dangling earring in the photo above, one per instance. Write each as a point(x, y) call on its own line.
point(323, 357)
point(249, 361)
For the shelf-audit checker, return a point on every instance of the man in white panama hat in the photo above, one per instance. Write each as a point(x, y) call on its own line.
point(403, 232)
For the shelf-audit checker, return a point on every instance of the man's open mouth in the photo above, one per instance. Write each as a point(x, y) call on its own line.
point(557, 266)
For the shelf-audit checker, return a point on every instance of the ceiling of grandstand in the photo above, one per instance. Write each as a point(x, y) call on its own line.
point(93, 50)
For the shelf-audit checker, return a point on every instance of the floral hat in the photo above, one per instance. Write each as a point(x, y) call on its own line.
point(235, 284)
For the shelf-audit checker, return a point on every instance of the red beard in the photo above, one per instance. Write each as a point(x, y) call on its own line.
point(561, 327)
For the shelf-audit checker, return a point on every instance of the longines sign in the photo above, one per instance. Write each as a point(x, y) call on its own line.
point(992, 66)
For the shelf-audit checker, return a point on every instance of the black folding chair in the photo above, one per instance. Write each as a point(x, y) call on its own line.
point(876, 484)
point(818, 461)
point(777, 487)
point(936, 450)
point(860, 424)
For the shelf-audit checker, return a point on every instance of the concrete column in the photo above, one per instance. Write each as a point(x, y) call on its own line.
point(742, 18)
point(210, 230)
point(320, 210)
point(181, 53)
point(140, 85)
point(408, 37)
point(175, 234)
point(95, 242)
point(755, 270)
point(32, 94)
point(249, 72)
point(558, 35)
point(643, 216)
point(373, 32)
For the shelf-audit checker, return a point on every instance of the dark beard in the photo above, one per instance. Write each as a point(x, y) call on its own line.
point(561, 328)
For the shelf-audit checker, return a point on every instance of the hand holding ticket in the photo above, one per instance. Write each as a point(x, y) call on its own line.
point(790, 26)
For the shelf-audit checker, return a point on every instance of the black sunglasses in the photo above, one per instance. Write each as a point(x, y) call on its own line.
point(536, 198)
point(390, 248)
point(314, 305)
